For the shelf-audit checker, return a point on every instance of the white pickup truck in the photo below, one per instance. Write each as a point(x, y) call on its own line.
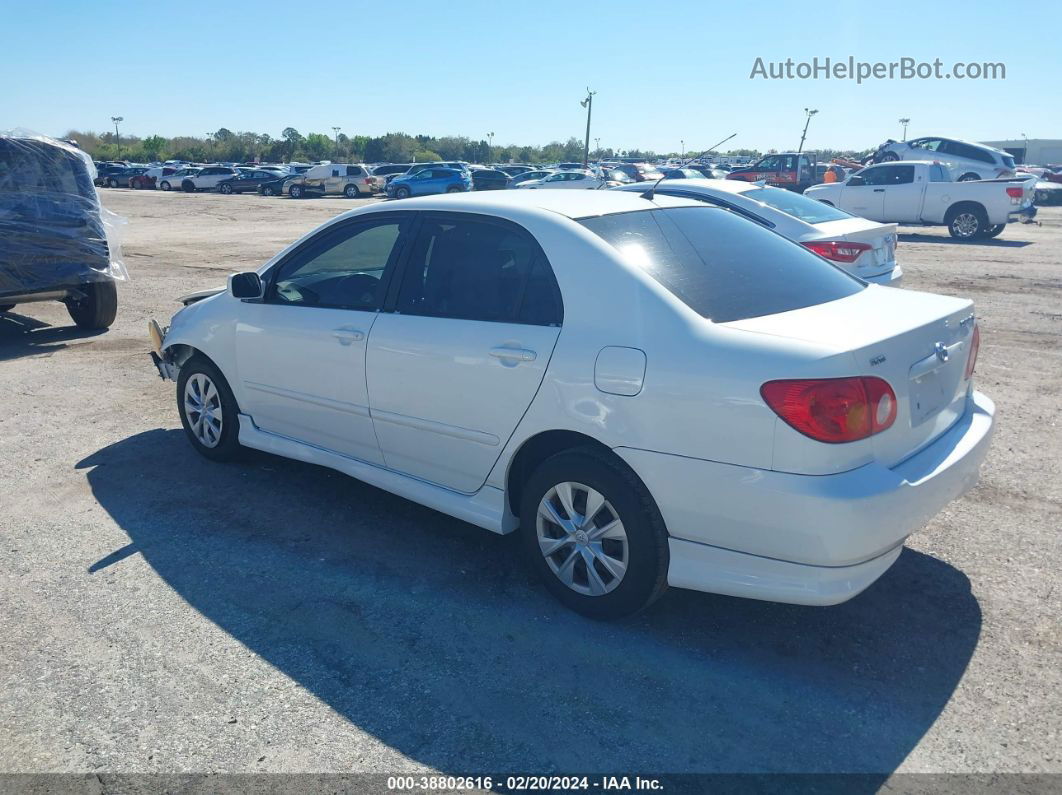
point(922, 193)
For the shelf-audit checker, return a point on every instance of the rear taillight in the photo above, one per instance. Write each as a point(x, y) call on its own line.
point(975, 346)
point(1015, 191)
point(833, 410)
point(837, 250)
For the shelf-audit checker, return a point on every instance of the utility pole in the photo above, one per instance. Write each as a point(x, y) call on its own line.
point(808, 113)
point(490, 147)
point(336, 131)
point(587, 103)
point(905, 122)
point(597, 147)
point(683, 145)
point(117, 137)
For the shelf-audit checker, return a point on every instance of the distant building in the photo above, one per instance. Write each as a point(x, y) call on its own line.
point(1040, 151)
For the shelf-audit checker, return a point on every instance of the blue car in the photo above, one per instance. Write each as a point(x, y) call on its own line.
point(428, 182)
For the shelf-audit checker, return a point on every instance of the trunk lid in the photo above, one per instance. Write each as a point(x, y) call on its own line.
point(918, 342)
point(882, 237)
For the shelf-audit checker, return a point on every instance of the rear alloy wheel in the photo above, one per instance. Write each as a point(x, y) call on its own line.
point(454, 189)
point(592, 532)
point(226, 189)
point(112, 183)
point(889, 157)
point(268, 191)
point(208, 410)
point(164, 185)
point(967, 224)
point(295, 191)
point(98, 308)
point(351, 191)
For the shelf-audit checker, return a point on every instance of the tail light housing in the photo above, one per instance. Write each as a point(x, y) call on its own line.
point(975, 346)
point(1015, 191)
point(837, 250)
point(833, 410)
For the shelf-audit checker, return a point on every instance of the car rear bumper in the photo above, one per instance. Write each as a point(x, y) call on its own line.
point(800, 538)
point(888, 278)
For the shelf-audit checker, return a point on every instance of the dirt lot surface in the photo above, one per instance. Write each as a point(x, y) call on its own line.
point(164, 613)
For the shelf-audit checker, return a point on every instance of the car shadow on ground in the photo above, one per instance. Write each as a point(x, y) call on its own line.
point(426, 632)
point(915, 237)
point(21, 335)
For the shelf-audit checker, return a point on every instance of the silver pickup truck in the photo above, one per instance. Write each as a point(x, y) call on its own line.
point(923, 193)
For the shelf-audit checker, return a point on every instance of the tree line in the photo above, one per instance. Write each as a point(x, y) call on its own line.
point(395, 147)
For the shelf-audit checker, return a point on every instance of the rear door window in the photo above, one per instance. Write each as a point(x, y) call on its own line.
point(720, 265)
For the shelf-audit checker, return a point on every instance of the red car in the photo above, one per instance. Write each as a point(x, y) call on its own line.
point(784, 170)
point(147, 180)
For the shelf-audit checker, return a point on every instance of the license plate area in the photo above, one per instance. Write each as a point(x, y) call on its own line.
point(928, 396)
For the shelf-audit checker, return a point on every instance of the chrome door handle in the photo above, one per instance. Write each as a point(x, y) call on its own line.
point(879, 190)
point(348, 335)
point(514, 354)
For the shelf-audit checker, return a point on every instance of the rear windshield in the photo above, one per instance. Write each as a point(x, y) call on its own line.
point(808, 210)
point(720, 265)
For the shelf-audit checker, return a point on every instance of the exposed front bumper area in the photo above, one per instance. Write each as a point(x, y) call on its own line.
point(166, 368)
point(800, 538)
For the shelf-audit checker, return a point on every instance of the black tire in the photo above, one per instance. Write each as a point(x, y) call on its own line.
point(268, 192)
point(98, 308)
point(993, 231)
point(112, 183)
point(226, 189)
point(645, 577)
point(351, 192)
point(969, 177)
point(188, 187)
point(889, 157)
point(228, 446)
point(164, 185)
point(295, 191)
point(401, 192)
point(966, 222)
point(454, 189)
point(6, 307)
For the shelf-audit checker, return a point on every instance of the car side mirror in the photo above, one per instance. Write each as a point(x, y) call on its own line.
point(854, 182)
point(245, 285)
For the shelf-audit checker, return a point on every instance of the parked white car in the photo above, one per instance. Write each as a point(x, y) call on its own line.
point(968, 160)
point(653, 392)
point(174, 180)
point(207, 178)
point(568, 180)
point(866, 249)
point(922, 193)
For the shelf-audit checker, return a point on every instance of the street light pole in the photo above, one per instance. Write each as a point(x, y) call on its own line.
point(597, 147)
point(336, 131)
point(587, 103)
point(1025, 154)
point(905, 122)
point(808, 113)
point(490, 147)
point(117, 137)
point(683, 145)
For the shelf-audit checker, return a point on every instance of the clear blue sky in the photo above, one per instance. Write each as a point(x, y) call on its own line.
point(664, 71)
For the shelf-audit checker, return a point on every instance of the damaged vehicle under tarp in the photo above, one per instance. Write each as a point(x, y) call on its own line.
point(56, 242)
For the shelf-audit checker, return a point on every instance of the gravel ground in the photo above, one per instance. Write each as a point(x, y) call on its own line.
point(164, 613)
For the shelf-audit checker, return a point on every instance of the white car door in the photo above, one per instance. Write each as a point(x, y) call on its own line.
point(455, 364)
point(301, 349)
point(903, 193)
point(864, 194)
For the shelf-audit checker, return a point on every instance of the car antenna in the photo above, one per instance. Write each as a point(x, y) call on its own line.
point(649, 193)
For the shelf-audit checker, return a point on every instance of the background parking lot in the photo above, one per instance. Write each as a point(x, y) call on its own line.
point(165, 613)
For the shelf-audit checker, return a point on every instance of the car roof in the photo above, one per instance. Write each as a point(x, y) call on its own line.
point(572, 204)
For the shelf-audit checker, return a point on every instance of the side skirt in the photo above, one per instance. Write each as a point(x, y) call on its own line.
point(485, 508)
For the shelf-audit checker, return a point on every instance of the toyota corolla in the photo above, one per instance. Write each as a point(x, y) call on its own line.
point(652, 392)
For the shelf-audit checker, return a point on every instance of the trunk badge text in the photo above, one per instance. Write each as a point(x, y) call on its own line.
point(877, 360)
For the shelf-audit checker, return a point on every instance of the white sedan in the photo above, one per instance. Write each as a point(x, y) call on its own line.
point(866, 249)
point(651, 392)
point(568, 180)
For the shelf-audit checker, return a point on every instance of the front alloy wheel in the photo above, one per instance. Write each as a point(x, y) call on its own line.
point(582, 539)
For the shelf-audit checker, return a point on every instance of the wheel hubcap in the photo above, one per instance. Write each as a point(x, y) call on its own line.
point(965, 224)
point(582, 539)
point(202, 407)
